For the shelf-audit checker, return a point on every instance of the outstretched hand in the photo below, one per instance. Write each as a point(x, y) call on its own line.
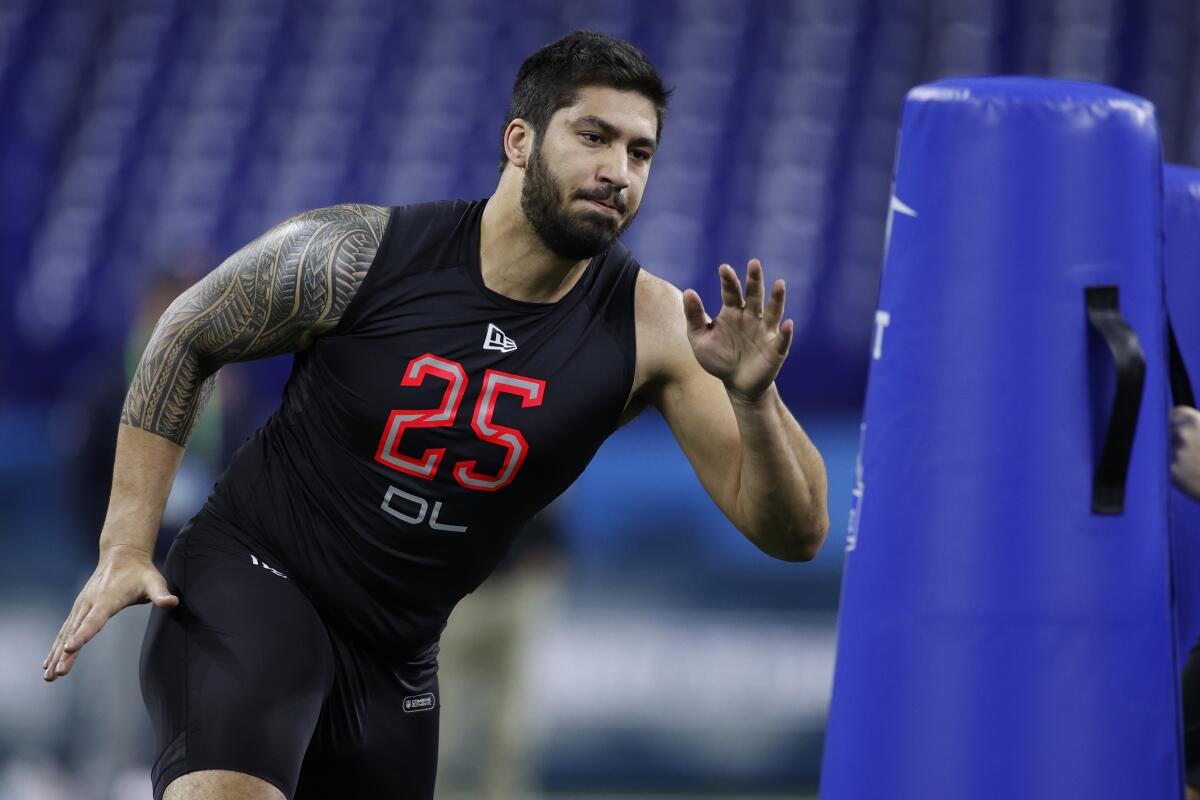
point(124, 577)
point(746, 344)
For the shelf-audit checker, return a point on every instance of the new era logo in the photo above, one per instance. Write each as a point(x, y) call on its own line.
point(497, 340)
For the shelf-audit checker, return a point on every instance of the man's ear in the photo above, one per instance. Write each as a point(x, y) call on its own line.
point(518, 142)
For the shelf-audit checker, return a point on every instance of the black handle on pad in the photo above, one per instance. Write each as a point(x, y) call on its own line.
point(1108, 481)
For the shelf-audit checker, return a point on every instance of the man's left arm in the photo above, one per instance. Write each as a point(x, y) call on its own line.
point(713, 381)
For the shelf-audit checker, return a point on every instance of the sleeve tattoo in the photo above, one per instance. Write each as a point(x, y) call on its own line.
point(275, 295)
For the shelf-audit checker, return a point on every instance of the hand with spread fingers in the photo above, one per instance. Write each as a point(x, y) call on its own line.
point(746, 344)
point(125, 576)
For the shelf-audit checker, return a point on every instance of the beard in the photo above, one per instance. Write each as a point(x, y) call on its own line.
point(568, 235)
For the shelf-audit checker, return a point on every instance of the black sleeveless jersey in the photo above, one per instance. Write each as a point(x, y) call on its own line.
point(415, 439)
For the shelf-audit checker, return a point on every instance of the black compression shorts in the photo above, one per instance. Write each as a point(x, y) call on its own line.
point(244, 675)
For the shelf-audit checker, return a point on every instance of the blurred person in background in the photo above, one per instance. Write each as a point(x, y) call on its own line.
point(1185, 450)
point(113, 741)
point(1185, 473)
point(96, 400)
point(293, 644)
point(487, 740)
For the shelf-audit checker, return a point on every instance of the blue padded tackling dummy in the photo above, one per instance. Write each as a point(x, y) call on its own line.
point(1181, 272)
point(1005, 630)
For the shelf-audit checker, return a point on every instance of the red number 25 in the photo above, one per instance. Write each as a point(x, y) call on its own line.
point(530, 390)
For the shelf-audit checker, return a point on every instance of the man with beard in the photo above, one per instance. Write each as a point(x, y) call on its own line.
point(457, 365)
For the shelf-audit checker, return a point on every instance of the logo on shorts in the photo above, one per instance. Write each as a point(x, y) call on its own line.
point(255, 561)
point(418, 702)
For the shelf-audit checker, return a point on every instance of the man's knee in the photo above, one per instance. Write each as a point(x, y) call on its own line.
point(219, 784)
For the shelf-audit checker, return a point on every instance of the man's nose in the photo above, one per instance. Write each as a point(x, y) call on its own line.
point(615, 169)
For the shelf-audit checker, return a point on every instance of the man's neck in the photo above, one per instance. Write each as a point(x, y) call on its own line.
point(512, 259)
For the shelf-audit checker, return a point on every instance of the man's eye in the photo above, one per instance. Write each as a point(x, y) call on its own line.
point(591, 137)
point(641, 155)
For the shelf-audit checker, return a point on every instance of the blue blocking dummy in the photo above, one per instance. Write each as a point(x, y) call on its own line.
point(1005, 630)
point(1181, 272)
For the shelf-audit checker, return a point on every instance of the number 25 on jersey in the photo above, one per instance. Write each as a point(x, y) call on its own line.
point(530, 390)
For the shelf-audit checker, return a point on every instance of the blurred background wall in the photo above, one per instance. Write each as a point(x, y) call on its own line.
point(651, 649)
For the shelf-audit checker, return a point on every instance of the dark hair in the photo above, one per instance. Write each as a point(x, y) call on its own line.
point(551, 78)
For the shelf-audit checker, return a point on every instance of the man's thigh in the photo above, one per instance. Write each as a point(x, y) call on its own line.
point(378, 733)
point(235, 676)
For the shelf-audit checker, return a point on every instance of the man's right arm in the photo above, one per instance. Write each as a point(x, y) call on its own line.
point(275, 295)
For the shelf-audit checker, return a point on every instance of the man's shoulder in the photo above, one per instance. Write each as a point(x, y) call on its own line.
point(655, 295)
point(433, 224)
point(660, 331)
point(658, 310)
point(342, 216)
point(435, 211)
point(377, 219)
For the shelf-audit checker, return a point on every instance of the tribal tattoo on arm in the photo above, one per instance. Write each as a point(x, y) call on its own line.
point(275, 295)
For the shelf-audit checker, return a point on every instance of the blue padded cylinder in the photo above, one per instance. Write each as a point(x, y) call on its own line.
point(1181, 272)
point(998, 637)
